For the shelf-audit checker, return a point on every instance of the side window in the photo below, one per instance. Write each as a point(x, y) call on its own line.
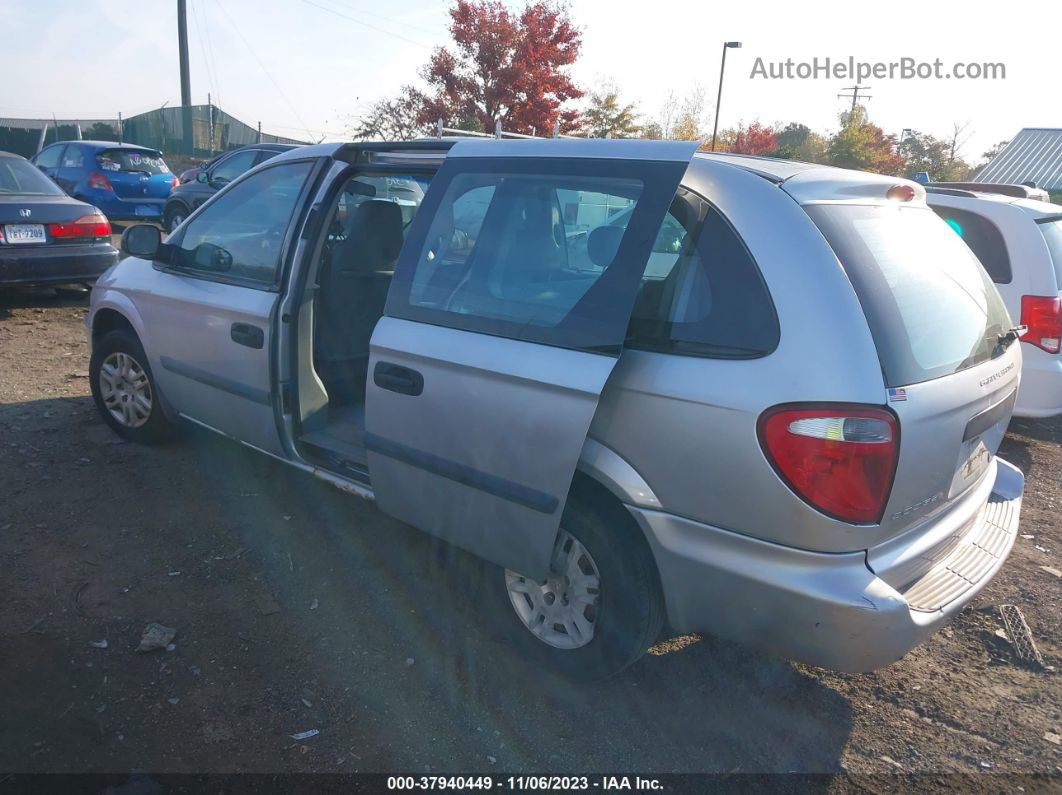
point(73, 157)
point(702, 294)
point(240, 234)
point(231, 167)
point(522, 248)
point(49, 157)
point(984, 239)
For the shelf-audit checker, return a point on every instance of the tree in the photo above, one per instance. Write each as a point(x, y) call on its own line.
point(923, 152)
point(862, 145)
point(995, 150)
point(391, 118)
point(798, 142)
point(504, 66)
point(606, 116)
point(688, 124)
point(754, 140)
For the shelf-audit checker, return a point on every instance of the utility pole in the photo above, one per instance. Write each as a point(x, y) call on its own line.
point(855, 95)
point(210, 114)
point(727, 45)
point(186, 82)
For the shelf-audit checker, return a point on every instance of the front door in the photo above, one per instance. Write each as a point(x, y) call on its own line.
point(210, 321)
point(509, 306)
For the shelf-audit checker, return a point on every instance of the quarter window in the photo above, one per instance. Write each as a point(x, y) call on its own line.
point(983, 238)
point(240, 235)
point(702, 294)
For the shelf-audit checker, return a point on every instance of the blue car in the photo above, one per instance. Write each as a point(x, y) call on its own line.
point(127, 182)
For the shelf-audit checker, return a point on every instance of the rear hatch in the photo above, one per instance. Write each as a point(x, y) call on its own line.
point(136, 173)
point(949, 368)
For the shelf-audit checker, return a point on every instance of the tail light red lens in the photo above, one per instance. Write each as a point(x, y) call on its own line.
point(838, 458)
point(98, 180)
point(92, 225)
point(175, 182)
point(1043, 315)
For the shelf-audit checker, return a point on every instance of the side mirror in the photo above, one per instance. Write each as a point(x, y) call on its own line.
point(201, 176)
point(142, 240)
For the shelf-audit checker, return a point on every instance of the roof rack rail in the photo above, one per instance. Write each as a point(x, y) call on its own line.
point(443, 132)
point(1003, 188)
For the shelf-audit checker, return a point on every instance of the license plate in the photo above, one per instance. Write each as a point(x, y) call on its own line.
point(25, 233)
point(146, 211)
point(973, 461)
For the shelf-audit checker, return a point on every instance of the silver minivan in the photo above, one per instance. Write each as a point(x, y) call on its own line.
point(754, 398)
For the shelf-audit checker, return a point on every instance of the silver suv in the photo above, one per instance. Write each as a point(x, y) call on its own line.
point(755, 398)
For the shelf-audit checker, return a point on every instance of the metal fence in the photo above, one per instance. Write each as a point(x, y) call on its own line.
point(212, 130)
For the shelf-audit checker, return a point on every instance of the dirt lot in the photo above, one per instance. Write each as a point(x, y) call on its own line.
point(298, 607)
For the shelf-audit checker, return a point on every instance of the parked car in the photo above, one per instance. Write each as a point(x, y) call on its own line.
point(222, 170)
point(1019, 242)
point(46, 237)
point(127, 182)
point(786, 438)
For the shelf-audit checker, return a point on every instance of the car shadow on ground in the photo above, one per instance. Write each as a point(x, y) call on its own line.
point(41, 297)
point(307, 607)
point(1044, 430)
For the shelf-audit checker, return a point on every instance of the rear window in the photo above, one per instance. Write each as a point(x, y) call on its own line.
point(931, 308)
point(18, 177)
point(983, 238)
point(1051, 228)
point(143, 161)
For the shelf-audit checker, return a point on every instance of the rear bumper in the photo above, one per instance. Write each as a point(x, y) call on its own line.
point(1040, 392)
point(49, 264)
point(850, 612)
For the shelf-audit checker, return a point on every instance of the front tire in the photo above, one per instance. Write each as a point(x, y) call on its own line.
point(174, 217)
point(124, 389)
point(600, 606)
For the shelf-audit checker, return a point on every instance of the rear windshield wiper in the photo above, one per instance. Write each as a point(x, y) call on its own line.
point(1005, 338)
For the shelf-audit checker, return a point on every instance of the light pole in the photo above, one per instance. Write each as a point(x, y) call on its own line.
point(719, 98)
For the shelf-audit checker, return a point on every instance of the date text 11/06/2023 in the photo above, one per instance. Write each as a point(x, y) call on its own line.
point(524, 783)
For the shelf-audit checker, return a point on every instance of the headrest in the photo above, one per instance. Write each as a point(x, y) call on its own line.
point(378, 222)
point(603, 243)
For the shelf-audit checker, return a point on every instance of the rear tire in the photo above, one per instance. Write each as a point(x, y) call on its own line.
point(612, 586)
point(124, 389)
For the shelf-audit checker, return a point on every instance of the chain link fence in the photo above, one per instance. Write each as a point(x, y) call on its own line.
point(212, 130)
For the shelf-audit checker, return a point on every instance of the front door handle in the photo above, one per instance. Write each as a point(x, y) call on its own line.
point(246, 334)
point(396, 378)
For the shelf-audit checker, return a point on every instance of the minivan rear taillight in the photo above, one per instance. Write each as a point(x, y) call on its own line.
point(839, 458)
point(1043, 315)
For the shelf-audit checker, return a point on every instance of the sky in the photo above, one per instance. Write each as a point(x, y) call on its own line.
point(306, 68)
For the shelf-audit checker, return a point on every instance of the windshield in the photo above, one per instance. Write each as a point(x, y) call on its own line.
point(1051, 228)
point(140, 160)
point(931, 308)
point(20, 177)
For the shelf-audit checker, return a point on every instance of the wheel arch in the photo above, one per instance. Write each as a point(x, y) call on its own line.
point(610, 470)
point(107, 320)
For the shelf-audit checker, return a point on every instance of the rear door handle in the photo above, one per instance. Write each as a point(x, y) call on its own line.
point(396, 378)
point(246, 334)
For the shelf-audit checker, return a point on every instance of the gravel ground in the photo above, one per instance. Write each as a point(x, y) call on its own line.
point(298, 607)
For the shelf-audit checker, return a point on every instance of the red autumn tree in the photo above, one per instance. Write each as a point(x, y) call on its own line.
point(754, 140)
point(504, 66)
